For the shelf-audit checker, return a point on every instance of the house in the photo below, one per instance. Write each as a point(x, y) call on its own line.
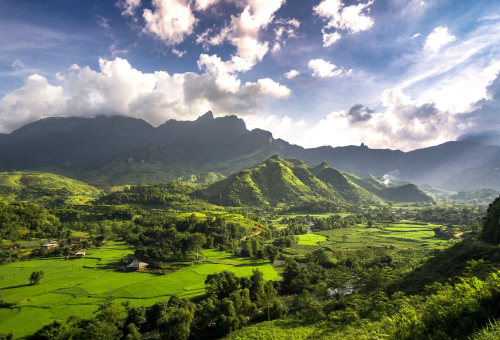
point(137, 265)
point(49, 244)
point(80, 254)
point(393, 247)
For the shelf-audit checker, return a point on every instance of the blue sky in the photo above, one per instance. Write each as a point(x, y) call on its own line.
point(392, 74)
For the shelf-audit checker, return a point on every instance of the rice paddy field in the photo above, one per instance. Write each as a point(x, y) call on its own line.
point(75, 287)
point(311, 239)
point(405, 235)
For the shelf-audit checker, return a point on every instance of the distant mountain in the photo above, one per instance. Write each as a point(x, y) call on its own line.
point(110, 151)
point(406, 193)
point(484, 176)
point(290, 181)
point(491, 137)
point(477, 196)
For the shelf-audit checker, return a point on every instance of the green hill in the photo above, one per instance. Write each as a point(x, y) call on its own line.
point(204, 178)
point(367, 182)
point(349, 191)
point(406, 193)
point(287, 181)
point(39, 186)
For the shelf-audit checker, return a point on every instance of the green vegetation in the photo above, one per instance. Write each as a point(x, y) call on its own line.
point(159, 260)
point(45, 187)
point(320, 189)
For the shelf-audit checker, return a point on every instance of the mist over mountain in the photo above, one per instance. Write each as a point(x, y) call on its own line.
point(491, 137)
point(107, 151)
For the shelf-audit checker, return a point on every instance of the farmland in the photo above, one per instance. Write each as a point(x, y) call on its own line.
point(402, 235)
point(75, 287)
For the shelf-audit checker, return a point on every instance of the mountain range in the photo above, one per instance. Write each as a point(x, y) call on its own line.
point(111, 151)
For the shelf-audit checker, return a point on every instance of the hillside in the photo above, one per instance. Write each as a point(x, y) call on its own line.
point(367, 182)
point(290, 181)
point(406, 193)
point(347, 189)
point(35, 186)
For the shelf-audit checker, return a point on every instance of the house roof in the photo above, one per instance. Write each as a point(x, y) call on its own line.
point(137, 264)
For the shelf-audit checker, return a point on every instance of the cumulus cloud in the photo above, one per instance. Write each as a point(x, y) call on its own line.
point(292, 74)
point(202, 5)
point(330, 38)
point(129, 6)
point(243, 33)
point(323, 69)
point(170, 20)
point(178, 53)
point(119, 89)
point(438, 38)
point(341, 17)
point(36, 99)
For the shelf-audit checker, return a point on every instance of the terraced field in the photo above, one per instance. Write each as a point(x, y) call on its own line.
point(401, 235)
point(76, 287)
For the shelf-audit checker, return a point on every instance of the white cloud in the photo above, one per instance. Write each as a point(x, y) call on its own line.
point(60, 76)
point(330, 38)
point(285, 128)
point(458, 75)
point(171, 20)
point(438, 38)
point(179, 53)
point(36, 99)
point(119, 89)
point(322, 69)
point(17, 65)
point(102, 21)
point(341, 17)
point(284, 30)
point(115, 51)
point(272, 88)
point(276, 47)
point(243, 32)
point(416, 35)
point(292, 74)
point(202, 5)
point(128, 6)
point(74, 67)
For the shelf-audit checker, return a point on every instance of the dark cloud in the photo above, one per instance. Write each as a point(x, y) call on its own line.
point(358, 113)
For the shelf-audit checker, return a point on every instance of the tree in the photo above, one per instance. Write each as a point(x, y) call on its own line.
point(257, 286)
point(221, 284)
point(133, 332)
point(175, 322)
point(268, 296)
point(272, 253)
point(37, 277)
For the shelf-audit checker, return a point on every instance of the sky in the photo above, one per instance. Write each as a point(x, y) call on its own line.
point(397, 74)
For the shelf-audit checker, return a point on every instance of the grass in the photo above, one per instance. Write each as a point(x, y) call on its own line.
point(76, 287)
point(311, 239)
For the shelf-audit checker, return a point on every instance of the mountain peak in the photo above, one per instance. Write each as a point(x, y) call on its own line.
point(207, 116)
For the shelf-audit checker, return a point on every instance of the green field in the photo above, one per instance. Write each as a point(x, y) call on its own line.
point(75, 287)
point(311, 239)
point(401, 235)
